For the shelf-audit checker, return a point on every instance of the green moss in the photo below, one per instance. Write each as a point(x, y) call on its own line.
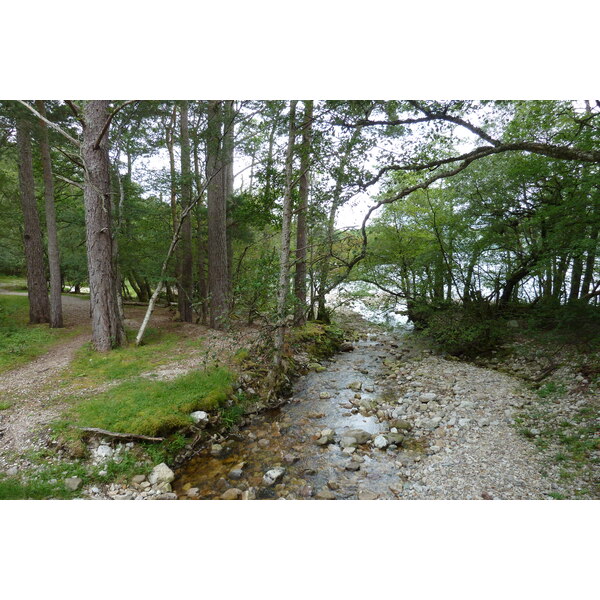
point(318, 339)
point(5, 405)
point(148, 407)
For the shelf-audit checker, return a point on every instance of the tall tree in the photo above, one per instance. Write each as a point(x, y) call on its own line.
point(37, 291)
point(107, 326)
point(301, 227)
point(186, 282)
point(284, 261)
point(56, 316)
point(218, 277)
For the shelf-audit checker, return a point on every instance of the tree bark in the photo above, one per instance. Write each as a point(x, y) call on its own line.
point(56, 316)
point(187, 265)
point(301, 227)
point(227, 154)
point(284, 264)
point(218, 279)
point(107, 326)
point(37, 291)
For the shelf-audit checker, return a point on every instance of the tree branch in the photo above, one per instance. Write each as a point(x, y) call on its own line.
point(109, 120)
point(50, 123)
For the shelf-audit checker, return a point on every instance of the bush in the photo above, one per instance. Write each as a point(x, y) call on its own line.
point(465, 331)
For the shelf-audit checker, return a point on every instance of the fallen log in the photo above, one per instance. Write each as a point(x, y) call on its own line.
point(124, 436)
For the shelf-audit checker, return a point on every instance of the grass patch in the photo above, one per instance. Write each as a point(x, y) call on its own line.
point(13, 283)
point(46, 480)
point(5, 405)
point(148, 407)
point(90, 367)
point(19, 341)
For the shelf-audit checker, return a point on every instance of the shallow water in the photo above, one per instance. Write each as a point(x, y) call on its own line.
point(287, 436)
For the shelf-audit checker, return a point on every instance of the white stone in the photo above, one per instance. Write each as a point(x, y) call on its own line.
point(380, 442)
point(273, 475)
point(199, 416)
point(161, 474)
point(103, 451)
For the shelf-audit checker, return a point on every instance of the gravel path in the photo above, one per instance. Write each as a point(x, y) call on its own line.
point(474, 450)
point(26, 387)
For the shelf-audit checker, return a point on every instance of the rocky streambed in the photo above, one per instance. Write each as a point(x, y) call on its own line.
point(385, 420)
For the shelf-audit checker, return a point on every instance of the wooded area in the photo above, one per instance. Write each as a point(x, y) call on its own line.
point(229, 210)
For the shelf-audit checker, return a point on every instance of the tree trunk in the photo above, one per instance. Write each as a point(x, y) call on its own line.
point(218, 279)
point(227, 154)
point(107, 326)
point(590, 259)
point(301, 228)
point(187, 265)
point(37, 291)
point(284, 265)
point(56, 316)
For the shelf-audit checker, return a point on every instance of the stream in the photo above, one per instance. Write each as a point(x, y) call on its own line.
point(321, 444)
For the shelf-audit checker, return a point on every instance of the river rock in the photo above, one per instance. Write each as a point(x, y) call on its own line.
point(326, 437)
point(346, 347)
point(356, 386)
point(380, 442)
point(324, 395)
point(347, 442)
point(395, 438)
point(72, 483)
point(273, 476)
point(352, 466)
point(237, 471)
point(216, 450)
point(193, 492)
point(325, 494)
point(427, 397)
point(161, 474)
point(290, 459)
point(367, 495)
point(361, 436)
point(138, 479)
point(231, 494)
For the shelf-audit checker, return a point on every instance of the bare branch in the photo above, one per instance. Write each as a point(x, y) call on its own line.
point(75, 183)
point(50, 123)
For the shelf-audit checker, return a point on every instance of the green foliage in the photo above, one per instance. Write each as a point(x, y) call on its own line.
point(465, 331)
point(146, 407)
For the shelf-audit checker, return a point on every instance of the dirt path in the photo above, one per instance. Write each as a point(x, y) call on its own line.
point(26, 387)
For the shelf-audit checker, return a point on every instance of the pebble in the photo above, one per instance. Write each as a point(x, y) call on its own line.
point(273, 476)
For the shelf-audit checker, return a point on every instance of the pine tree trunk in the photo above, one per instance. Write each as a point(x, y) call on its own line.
point(228, 150)
point(37, 291)
point(301, 228)
point(284, 261)
point(107, 326)
point(56, 316)
point(187, 265)
point(218, 279)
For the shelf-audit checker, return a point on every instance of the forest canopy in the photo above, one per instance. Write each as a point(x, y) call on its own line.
point(254, 211)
